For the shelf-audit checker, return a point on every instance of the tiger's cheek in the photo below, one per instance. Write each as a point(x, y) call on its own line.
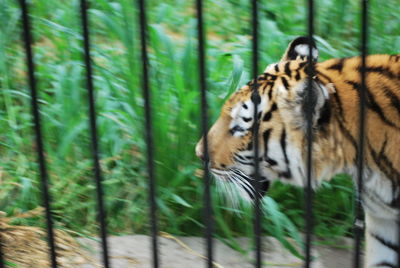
point(224, 149)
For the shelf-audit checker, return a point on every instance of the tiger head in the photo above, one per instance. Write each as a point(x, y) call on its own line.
point(282, 124)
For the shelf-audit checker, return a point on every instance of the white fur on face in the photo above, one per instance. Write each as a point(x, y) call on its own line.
point(242, 117)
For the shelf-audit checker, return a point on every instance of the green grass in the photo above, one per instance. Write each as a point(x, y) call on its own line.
point(174, 82)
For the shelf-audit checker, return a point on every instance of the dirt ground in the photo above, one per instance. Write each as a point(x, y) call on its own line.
point(181, 252)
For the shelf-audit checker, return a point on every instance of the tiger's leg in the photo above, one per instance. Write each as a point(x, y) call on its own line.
point(381, 242)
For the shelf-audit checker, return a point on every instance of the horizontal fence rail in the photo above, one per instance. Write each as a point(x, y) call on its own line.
point(202, 74)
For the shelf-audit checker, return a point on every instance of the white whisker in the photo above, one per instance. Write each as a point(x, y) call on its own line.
point(242, 189)
point(244, 184)
point(233, 194)
point(235, 185)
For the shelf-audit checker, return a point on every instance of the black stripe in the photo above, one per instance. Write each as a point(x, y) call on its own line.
point(302, 64)
point(268, 115)
point(337, 66)
point(374, 106)
point(239, 156)
point(389, 170)
point(276, 67)
point(270, 76)
point(287, 174)
point(285, 83)
point(324, 76)
point(347, 134)
point(383, 148)
point(251, 157)
point(381, 70)
point(239, 160)
point(283, 145)
point(297, 76)
point(339, 106)
point(271, 161)
point(266, 136)
point(387, 244)
point(263, 88)
point(236, 129)
point(261, 77)
point(385, 263)
point(250, 83)
point(246, 119)
point(341, 120)
point(371, 103)
point(288, 72)
point(384, 164)
point(325, 114)
point(394, 100)
point(270, 85)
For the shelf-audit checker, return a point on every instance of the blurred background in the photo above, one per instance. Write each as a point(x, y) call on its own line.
point(174, 82)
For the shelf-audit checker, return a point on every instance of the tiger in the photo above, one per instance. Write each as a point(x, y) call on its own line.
point(282, 133)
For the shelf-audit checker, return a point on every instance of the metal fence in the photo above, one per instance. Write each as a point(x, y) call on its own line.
point(208, 219)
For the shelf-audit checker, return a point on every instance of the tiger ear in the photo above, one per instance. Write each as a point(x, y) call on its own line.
point(300, 48)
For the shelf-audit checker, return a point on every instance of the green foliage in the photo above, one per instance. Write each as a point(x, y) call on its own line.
point(175, 100)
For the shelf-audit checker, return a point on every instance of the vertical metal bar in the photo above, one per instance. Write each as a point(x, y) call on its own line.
point(208, 213)
point(309, 116)
point(2, 264)
point(93, 134)
point(359, 226)
point(38, 131)
point(2, 257)
point(149, 130)
point(256, 100)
